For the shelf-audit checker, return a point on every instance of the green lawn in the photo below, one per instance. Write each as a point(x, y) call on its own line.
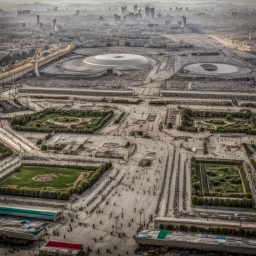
point(66, 177)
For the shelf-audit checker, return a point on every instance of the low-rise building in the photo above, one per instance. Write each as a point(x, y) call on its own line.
point(54, 248)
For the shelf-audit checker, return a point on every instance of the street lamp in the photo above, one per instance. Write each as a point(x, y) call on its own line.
point(116, 222)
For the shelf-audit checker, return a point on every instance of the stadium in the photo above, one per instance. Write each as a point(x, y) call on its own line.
point(98, 63)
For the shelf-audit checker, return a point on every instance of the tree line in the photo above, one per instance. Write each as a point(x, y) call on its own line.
point(190, 102)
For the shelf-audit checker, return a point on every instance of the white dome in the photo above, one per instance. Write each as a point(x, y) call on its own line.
point(115, 60)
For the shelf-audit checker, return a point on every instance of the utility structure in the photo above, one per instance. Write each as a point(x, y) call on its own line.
point(36, 57)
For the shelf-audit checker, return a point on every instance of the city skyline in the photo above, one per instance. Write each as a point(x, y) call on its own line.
point(128, 2)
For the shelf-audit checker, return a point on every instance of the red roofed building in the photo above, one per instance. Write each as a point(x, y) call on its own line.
point(53, 248)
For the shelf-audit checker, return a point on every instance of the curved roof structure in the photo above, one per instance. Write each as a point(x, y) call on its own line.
point(115, 60)
point(211, 68)
point(101, 63)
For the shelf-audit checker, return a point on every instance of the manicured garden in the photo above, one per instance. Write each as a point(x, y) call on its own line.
point(51, 181)
point(220, 182)
point(222, 178)
point(217, 121)
point(56, 120)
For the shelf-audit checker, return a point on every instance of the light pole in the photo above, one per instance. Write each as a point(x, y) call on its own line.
point(116, 222)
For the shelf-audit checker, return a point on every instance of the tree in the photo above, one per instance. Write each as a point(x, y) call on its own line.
point(229, 117)
point(44, 148)
point(39, 142)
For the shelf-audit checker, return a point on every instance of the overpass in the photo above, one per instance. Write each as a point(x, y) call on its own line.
point(18, 72)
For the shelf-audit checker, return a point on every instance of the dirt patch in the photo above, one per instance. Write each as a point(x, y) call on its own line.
point(45, 177)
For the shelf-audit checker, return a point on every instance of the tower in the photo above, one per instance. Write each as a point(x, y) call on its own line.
point(135, 9)
point(124, 10)
point(54, 22)
point(152, 12)
point(147, 12)
point(36, 72)
point(184, 22)
point(131, 16)
point(38, 20)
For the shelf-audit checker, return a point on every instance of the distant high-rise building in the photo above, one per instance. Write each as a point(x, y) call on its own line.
point(77, 12)
point(54, 22)
point(135, 9)
point(184, 22)
point(23, 25)
point(38, 20)
point(131, 16)
point(117, 18)
point(124, 10)
point(152, 13)
point(138, 16)
point(125, 18)
point(57, 28)
point(147, 12)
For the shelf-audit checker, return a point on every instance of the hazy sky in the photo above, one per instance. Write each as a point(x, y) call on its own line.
point(127, 1)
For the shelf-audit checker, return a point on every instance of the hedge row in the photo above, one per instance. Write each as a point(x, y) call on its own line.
point(49, 97)
point(228, 202)
point(248, 151)
point(122, 101)
point(248, 105)
point(190, 102)
point(10, 241)
point(118, 120)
